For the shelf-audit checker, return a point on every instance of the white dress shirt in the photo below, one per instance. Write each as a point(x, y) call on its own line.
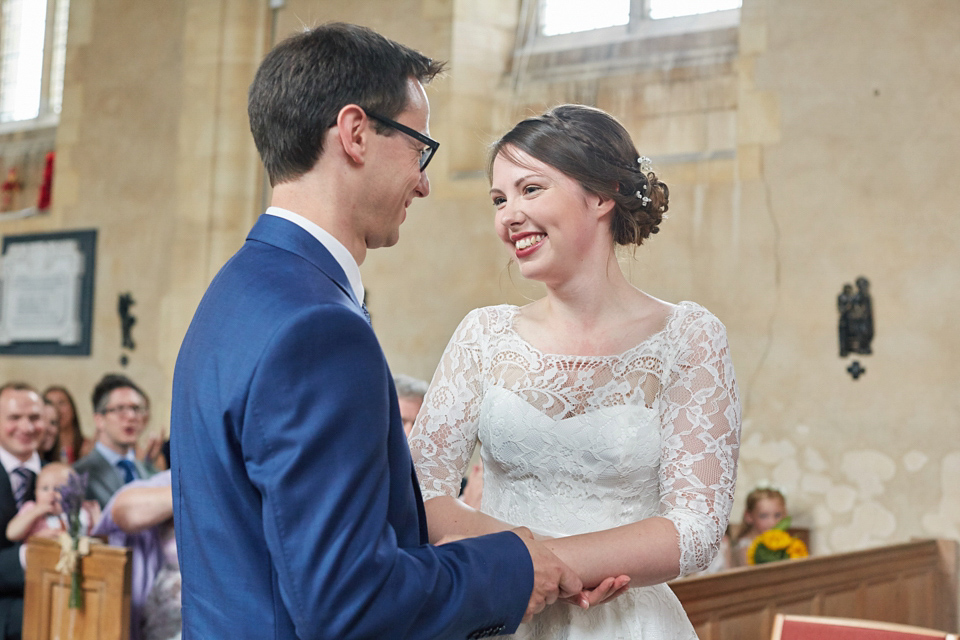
point(339, 252)
point(11, 462)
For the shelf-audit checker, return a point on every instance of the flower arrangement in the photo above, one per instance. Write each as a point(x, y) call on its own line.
point(776, 544)
point(73, 545)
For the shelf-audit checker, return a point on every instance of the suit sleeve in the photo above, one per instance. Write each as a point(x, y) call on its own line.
point(11, 573)
point(315, 443)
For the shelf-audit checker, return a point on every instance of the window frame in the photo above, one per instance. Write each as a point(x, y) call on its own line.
point(639, 27)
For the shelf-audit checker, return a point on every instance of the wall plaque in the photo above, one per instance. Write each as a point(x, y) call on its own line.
point(46, 293)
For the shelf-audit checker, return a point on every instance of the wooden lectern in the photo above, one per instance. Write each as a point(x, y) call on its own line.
point(106, 591)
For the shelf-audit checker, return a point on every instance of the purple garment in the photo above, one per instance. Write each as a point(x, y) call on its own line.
point(148, 551)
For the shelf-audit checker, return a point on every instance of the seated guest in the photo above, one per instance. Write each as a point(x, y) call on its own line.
point(43, 516)
point(140, 516)
point(73, 445)
point(121, 411)
point(21, 423)
point(410, 392)
point(765, 507)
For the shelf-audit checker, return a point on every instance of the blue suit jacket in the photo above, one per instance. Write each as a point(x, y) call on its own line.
point(296, 506)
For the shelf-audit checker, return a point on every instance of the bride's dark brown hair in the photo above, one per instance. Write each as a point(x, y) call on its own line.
point(593, 148)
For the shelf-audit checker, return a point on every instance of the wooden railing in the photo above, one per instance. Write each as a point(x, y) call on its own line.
point(911, 583)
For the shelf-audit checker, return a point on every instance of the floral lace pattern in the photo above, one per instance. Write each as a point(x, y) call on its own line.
point(573, 444)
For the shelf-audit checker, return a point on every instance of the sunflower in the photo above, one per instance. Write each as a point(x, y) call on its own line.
point(776, 544)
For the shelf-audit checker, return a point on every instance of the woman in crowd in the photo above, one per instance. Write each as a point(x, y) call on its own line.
point(608, 420)
point(73, 445)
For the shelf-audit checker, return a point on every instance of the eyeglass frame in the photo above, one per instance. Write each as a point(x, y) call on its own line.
point(137, 410)
point(432, 144)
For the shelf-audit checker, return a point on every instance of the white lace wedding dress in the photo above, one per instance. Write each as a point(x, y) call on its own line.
point(574, 444)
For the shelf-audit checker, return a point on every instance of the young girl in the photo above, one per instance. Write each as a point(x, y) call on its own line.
point(765, 507)
point(44, 516)
point(608, 420)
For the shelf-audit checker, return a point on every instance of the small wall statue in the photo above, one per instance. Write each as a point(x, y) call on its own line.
point(855, 326)
point(127, 320)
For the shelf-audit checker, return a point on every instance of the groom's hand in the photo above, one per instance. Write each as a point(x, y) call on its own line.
point(552, 579)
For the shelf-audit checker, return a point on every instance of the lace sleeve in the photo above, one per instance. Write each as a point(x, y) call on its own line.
point(445, 433)
point(700, 441)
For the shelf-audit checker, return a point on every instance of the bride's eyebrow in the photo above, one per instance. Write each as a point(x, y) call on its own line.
point(525, 178)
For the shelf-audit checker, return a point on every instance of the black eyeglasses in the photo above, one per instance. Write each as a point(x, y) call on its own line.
point(135, 409)
point(432, 145)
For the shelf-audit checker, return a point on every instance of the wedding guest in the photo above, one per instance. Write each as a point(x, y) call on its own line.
point(410, 392)
point(765, 507)
point(73, 445)
point(44, 516)
point(140, 516)
point(21, 423)
point(49, 447)
point(121, 411)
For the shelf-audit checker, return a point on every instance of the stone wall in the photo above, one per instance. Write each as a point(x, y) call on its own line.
point(821, 151)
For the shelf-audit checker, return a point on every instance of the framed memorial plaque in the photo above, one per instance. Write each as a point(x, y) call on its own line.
point(46, 293)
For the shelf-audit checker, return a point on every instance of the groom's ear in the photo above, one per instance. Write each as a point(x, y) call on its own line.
point(353, 131)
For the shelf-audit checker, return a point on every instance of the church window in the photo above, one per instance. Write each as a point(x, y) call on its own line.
point(33, 37)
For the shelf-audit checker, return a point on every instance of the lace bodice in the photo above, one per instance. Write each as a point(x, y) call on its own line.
point(573, 444)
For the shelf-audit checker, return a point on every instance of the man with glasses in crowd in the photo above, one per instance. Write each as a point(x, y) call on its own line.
point(120, 412)
point(296, 507)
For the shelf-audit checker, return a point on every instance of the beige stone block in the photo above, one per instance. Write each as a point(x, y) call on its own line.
point(66, 189)
point(472, 134)
point(80, 27)
point(721, 130)
point(673, 134)
point(759, 117)
point(749, 158)
point(436, 9)
point(752, 11)
point(720, 171)
point(746, 73)
point(753, 38)
point(476, 45)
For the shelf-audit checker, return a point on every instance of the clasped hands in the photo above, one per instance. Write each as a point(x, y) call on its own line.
point(553, 580)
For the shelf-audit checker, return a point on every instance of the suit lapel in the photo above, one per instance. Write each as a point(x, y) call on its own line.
point(104, 480)
point(286, 235)
point(8, 506)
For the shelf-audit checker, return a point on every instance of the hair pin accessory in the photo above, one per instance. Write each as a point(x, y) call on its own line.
point(644, 200)
point(646, 165)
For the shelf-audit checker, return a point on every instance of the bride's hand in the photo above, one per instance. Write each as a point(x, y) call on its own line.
point(607, 590)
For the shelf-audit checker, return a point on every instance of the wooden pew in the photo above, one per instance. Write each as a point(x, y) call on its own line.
point(911, 583)
point(106, 589)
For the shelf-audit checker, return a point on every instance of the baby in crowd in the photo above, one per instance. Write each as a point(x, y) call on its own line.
point(44, 516)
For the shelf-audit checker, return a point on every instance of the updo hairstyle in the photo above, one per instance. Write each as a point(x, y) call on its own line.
point(593, 148)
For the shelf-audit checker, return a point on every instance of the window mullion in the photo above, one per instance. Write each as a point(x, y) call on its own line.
point(49, 27)
point(638, 13)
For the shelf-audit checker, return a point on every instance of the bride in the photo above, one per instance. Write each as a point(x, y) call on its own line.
point(608, 420)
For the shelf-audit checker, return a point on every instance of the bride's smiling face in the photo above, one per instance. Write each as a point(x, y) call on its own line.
point(545, 217)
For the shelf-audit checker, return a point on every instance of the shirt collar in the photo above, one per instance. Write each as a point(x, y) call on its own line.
point(339, 252)
point(112, 456)
point(11, 462)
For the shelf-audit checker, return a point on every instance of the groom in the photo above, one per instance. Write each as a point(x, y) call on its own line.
point(296, 506)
